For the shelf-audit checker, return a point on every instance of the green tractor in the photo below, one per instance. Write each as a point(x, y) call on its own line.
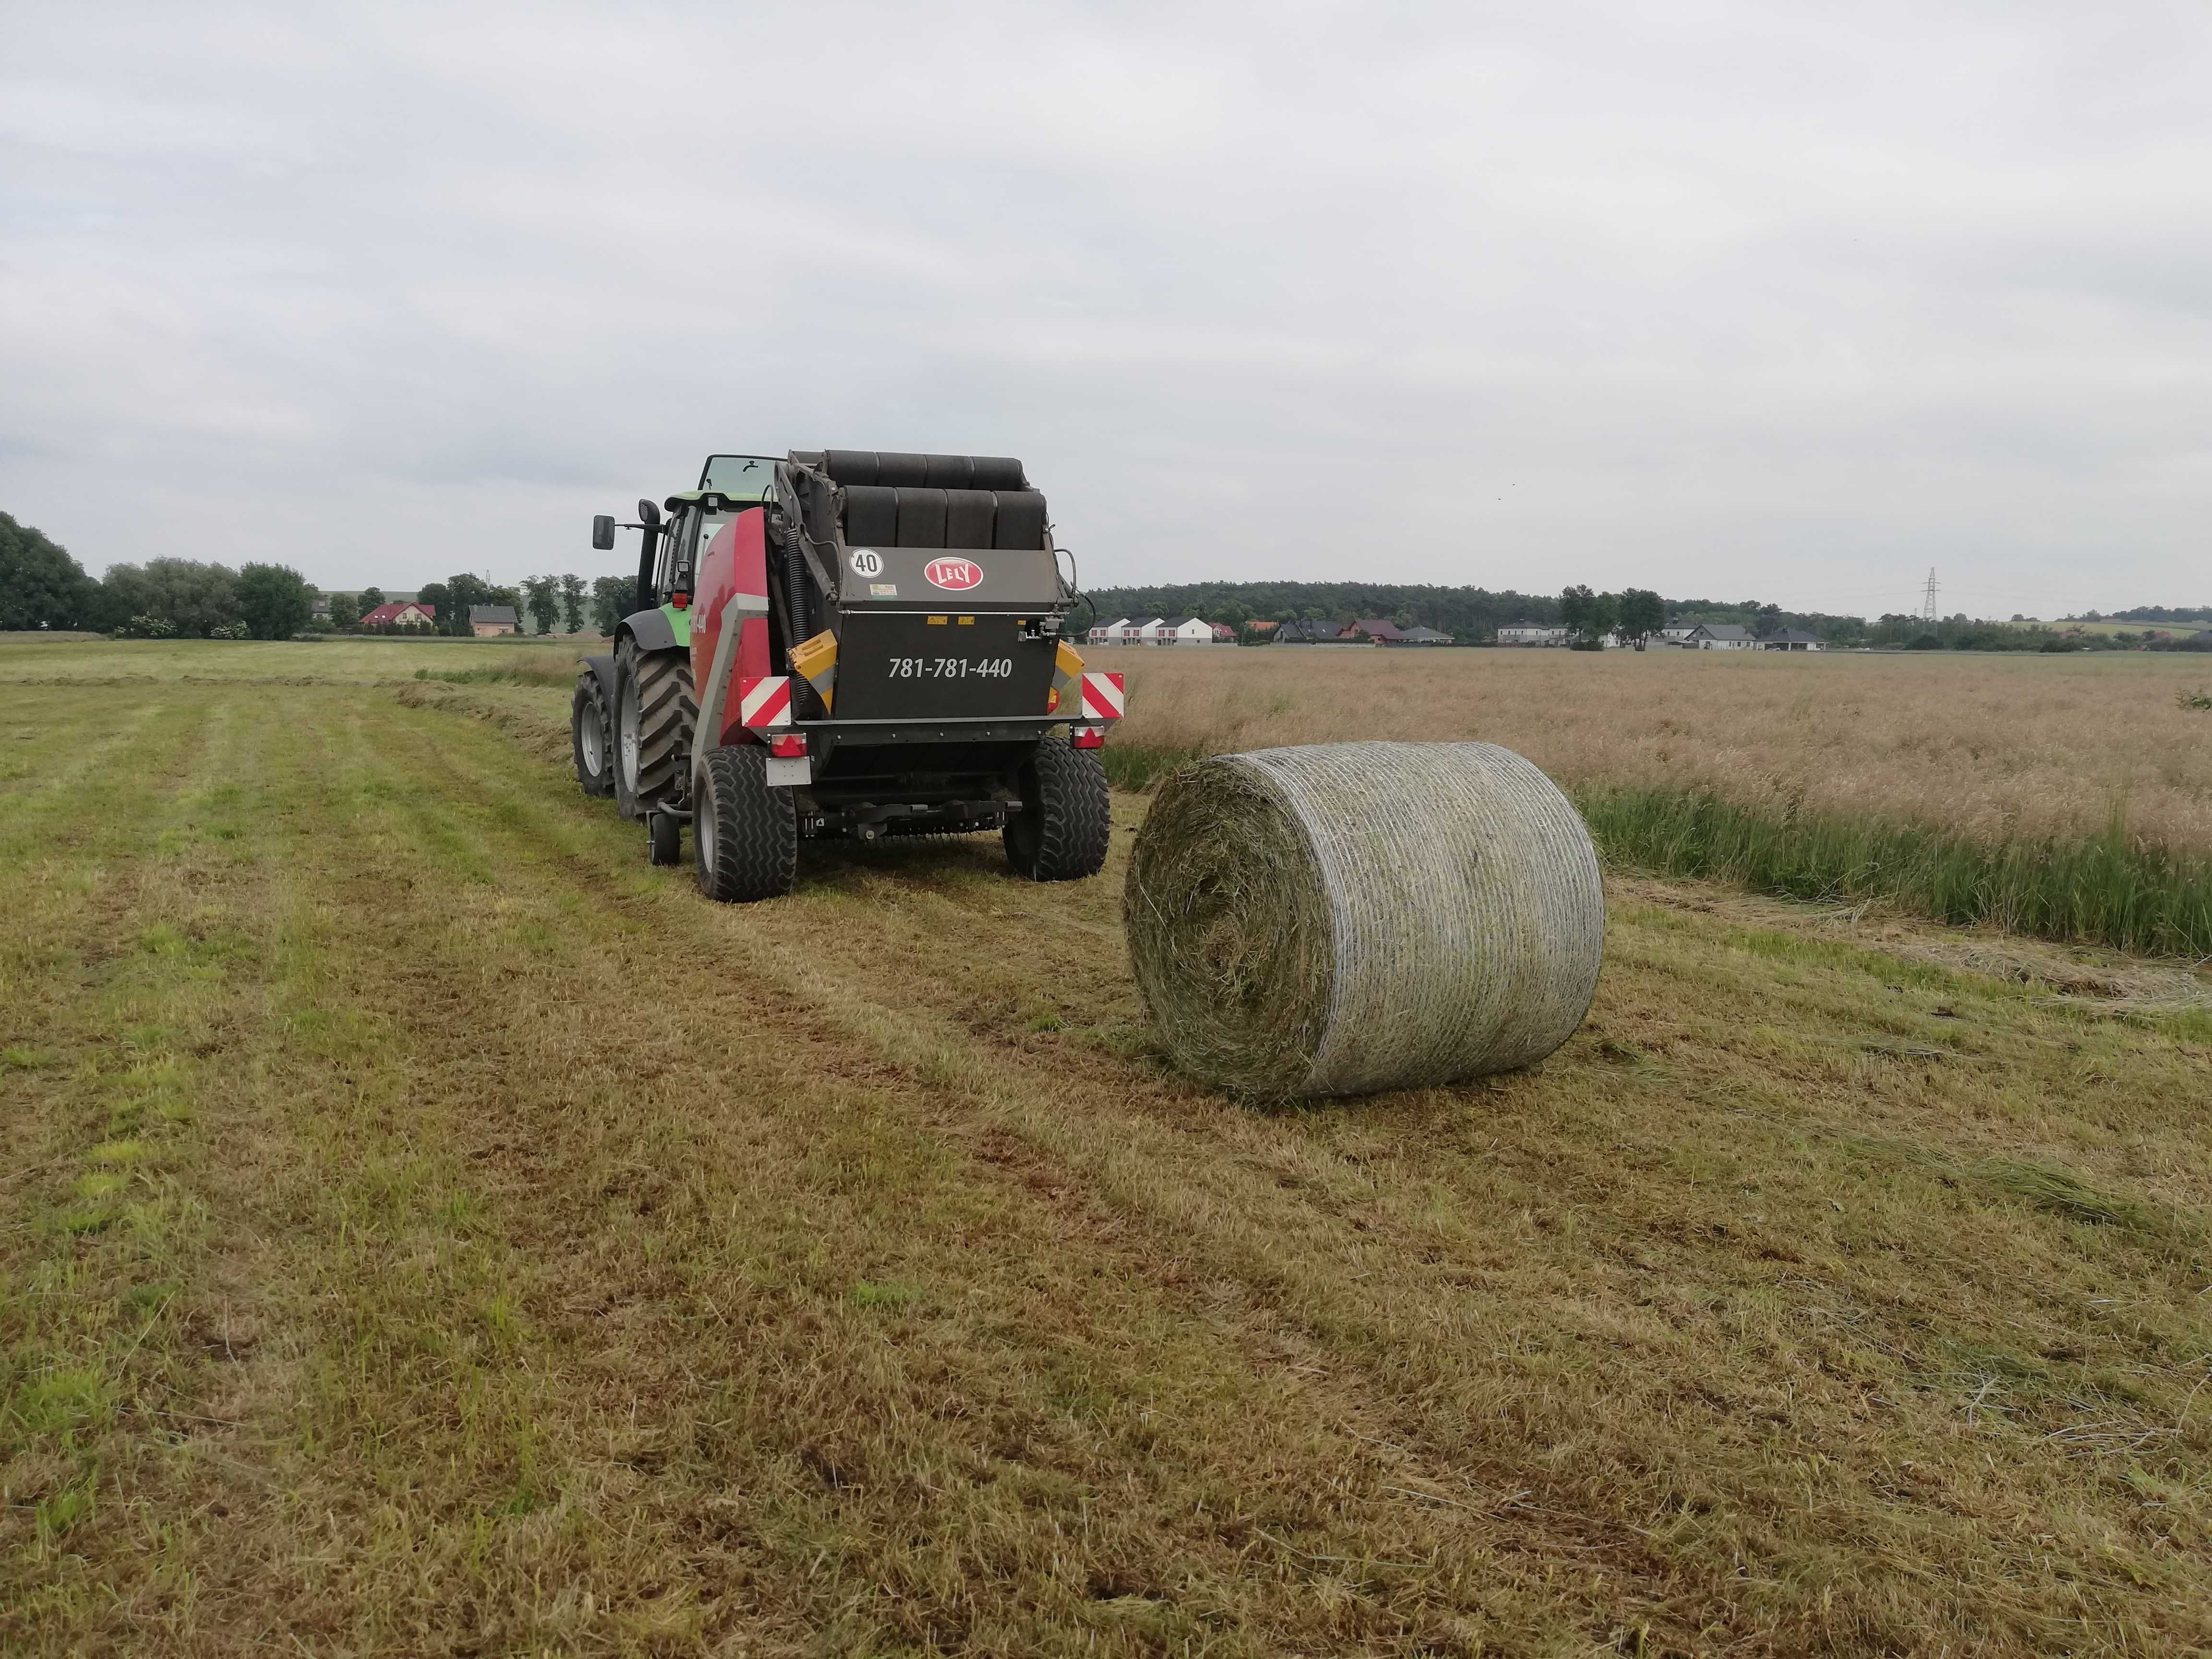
point(844, 643)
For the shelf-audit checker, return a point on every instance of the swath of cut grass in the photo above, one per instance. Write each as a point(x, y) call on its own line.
point(535, 668)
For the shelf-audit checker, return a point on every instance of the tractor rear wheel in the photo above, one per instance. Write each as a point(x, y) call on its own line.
point(745, 836)
point(1060, 833)
point(654, 715)
point(591, 734)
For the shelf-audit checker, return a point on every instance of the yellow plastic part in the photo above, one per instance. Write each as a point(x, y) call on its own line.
point(1067, 671)
point(816, 662)
point(1066, 664)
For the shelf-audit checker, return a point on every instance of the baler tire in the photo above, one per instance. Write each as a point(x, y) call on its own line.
point(591, 735)
point(650, 747)
point(745, 836)
point(1061, 831)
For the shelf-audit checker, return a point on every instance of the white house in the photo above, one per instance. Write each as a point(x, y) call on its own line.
point(1138, 633)
point(1793, 639)
point(1721, 636)
point(1182, 630)
point(1531, 634)
point(1108, 632)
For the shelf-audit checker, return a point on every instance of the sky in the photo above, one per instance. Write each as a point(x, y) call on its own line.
point(1786, 301)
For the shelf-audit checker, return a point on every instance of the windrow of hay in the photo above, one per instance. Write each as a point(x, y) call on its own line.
point(1354, 917)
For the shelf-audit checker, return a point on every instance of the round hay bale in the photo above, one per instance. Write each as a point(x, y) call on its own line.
point(1352, 917)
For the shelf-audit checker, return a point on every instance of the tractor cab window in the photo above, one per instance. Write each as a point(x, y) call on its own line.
point(741, 477)
point(691, 531)
point(681, 524)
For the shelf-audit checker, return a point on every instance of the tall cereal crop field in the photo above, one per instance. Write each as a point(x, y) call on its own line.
point(2065, 796)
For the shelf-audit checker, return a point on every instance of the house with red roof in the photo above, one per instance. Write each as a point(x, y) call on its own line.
point(401, 613)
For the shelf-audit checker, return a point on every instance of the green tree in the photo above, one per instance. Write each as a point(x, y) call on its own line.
point(543, 596)
point(573, 593)
point(345, 612)
point(41, 585)
point(612, 598)
point(368, 598)
point(1578, 609)
point(1643, 613)
point(462, 591)
point(274, 600)
point(195, 599)
point(438, 600)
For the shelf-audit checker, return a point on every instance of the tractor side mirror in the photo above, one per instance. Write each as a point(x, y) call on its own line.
point(603, 531)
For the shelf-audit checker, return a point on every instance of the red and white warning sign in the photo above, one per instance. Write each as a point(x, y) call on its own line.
point(953, 575)
point(1103, 697)
point(763, 701)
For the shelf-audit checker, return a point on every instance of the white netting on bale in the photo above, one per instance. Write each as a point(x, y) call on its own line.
point(1354, 917)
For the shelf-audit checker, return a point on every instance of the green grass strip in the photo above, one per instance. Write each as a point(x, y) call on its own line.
point(2108, 888)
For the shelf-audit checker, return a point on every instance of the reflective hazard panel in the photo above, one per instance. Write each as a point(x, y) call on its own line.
point(1103, 697)
point(764, 702)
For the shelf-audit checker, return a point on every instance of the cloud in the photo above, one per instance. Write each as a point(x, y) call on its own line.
point(1723, 299)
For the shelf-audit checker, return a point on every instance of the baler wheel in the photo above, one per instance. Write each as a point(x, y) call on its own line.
point(745, 836)
point(654, 713)
point(591, 734)
point(1060, 833)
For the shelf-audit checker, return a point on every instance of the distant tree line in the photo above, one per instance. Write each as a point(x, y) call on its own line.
point(1473, 616)
point(557, 605)
point(1466, 613)
point(2201, 616)
point(42, 586)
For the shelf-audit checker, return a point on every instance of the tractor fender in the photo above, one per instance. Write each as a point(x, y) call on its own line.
point(651, 630)
point(602, 669)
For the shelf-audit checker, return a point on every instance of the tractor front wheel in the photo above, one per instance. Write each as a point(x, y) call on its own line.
point(591, 734)
point(1060, 833)
point(745, 836)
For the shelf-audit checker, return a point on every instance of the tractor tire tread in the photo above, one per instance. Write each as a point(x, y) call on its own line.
point(666, 712)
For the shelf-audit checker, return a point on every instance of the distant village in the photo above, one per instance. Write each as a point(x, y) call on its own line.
point(1375, 631)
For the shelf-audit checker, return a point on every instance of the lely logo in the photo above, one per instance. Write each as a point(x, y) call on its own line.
point(867, 561)
point(954, 574)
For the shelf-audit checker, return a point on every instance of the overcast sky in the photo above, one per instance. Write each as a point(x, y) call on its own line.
point(1726, 299)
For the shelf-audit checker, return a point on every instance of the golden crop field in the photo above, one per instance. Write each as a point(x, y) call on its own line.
point(1990, 747)
point(428, 1229)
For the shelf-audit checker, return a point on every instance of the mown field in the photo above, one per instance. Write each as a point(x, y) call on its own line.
point(428, 1228)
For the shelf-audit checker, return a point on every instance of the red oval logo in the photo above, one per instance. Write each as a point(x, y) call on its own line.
point(953, 574)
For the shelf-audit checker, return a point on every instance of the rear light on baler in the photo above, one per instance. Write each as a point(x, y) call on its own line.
point(791, 745)
point(1087, 736)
